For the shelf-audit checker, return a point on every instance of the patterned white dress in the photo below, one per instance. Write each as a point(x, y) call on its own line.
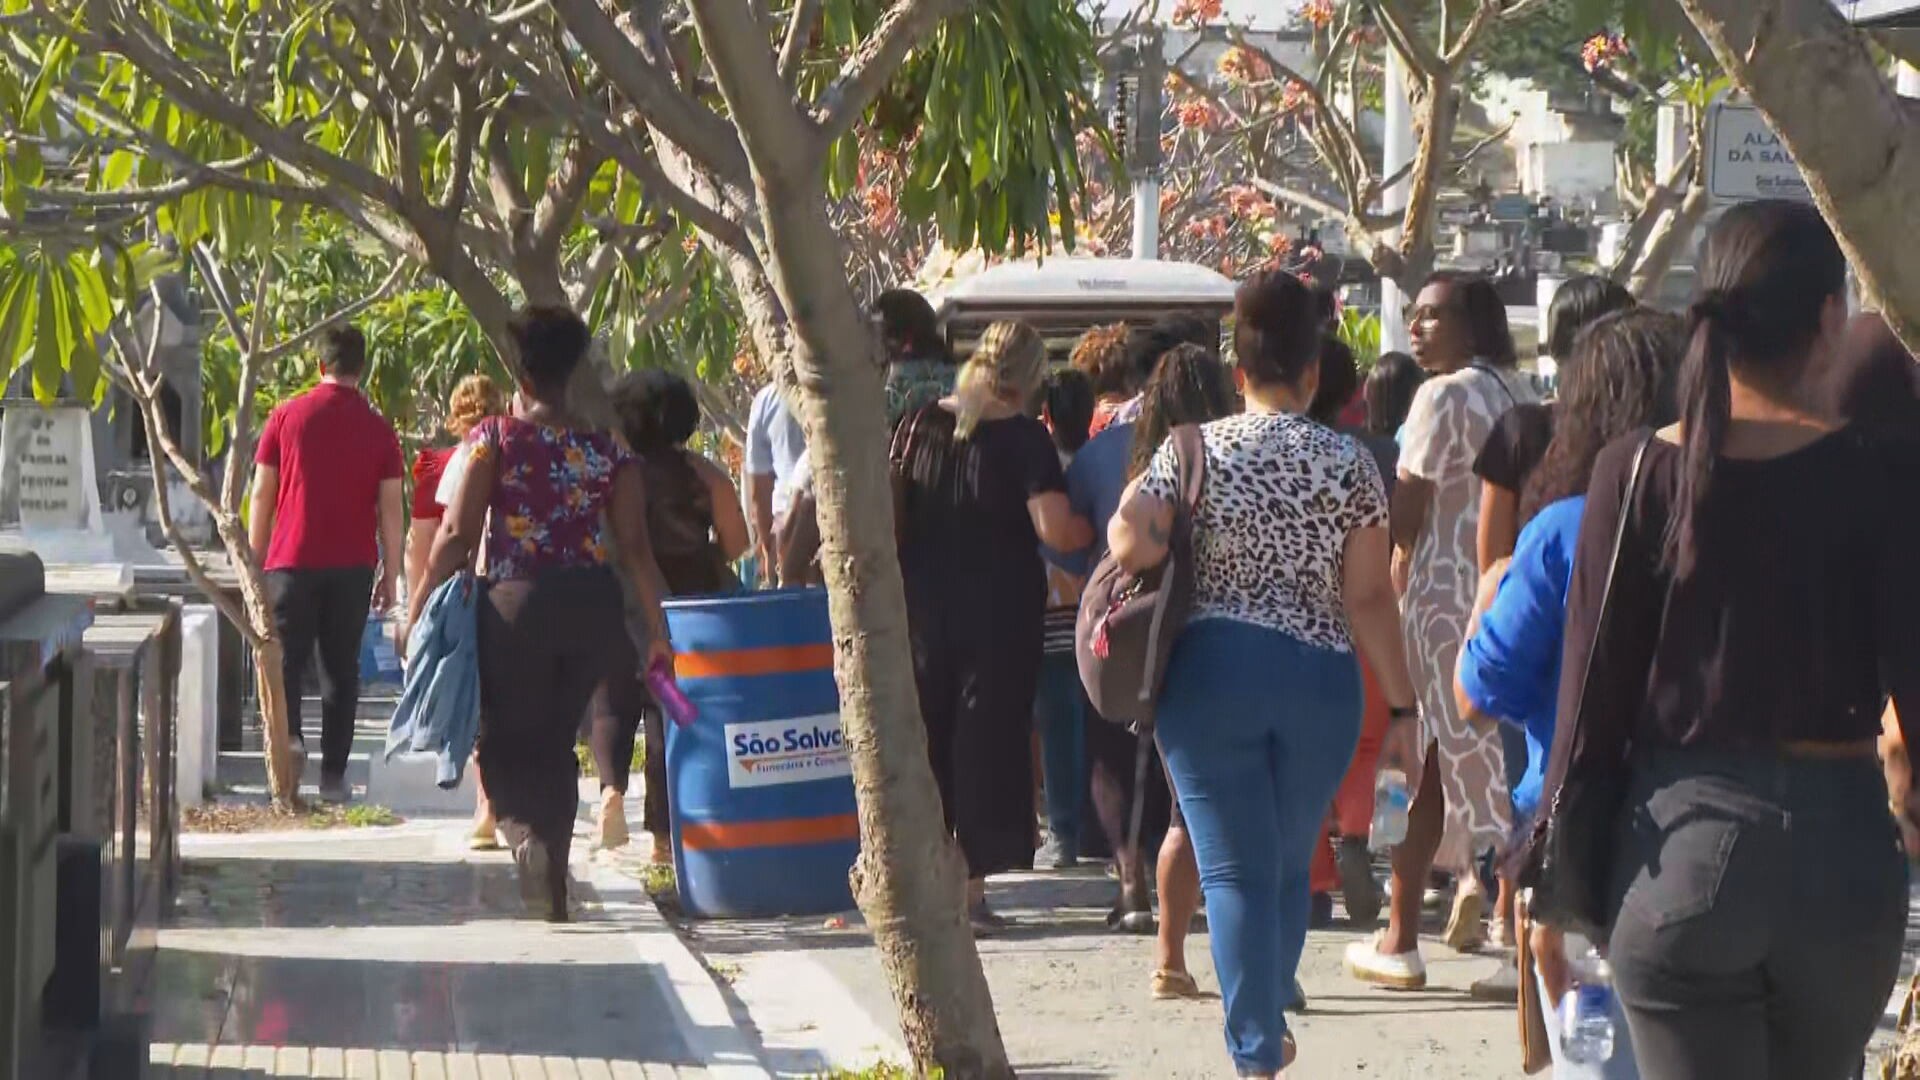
point(1449, 421)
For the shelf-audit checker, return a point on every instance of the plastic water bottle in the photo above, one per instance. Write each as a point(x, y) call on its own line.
point(666, 690)
point(1390, 801)
point(1586, 1013)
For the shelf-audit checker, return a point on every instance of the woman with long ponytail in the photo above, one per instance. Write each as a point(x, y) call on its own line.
point(1741, 607)
point(978, 488)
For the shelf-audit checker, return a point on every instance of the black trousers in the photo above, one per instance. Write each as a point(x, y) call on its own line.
point(550, 647)
point(610, 734)
point(1762, 907)
point(326, 609)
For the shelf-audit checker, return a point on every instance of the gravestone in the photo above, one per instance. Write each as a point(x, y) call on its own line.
point(49, 486)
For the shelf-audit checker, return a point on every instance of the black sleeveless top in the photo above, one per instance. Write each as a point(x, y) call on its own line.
point(680, 525)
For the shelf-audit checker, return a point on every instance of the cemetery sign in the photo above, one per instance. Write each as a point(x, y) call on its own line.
point(1747, 161)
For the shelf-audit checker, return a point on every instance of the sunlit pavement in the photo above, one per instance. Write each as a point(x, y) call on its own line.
point(390, 953)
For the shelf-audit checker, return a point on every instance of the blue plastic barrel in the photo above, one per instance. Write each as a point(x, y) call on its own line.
point(763, 810)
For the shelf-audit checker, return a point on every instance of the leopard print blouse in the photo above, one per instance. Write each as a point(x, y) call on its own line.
point(1281, 495)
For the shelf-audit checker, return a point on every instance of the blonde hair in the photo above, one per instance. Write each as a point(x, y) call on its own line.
point(474, 399)
point(1010, 360)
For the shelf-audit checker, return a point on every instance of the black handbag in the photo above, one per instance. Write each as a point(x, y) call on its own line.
point(1567, 864)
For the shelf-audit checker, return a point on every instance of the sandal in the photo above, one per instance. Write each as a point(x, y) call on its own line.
point(1466, 931)
point(1173, 985)
point(986, 921)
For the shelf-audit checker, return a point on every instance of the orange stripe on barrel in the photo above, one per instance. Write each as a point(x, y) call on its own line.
point(772, 660)
point(728, 836)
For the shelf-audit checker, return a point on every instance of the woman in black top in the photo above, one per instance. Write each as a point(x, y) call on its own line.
point(698, 528)
point(979, 489)
point(1519, 438)
point(1762, 610)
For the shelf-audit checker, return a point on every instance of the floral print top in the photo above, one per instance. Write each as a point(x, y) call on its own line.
point(551, 488)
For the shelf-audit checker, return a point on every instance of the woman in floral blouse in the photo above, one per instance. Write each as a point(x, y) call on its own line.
point(553, 631)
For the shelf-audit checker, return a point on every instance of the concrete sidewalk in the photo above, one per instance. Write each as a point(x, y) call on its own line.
point(1073, 1003)
point(396, 953)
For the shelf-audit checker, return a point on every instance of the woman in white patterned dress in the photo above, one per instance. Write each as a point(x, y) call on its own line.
point(1460, 808)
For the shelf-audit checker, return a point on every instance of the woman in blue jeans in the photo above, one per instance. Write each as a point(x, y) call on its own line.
point(1260, 708)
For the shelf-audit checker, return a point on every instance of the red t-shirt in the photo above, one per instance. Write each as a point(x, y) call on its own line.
point(428, 468)
point(332, 451)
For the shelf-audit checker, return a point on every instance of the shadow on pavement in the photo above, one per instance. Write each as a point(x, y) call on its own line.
point(389, 955)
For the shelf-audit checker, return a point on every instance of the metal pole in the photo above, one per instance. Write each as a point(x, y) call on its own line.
point(1396, 153)
point(1146, 216)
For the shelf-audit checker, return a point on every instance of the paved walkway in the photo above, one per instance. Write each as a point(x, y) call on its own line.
point(396, 953)
point(1073, 1004)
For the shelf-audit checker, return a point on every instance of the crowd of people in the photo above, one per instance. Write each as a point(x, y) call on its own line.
point(1681, 583)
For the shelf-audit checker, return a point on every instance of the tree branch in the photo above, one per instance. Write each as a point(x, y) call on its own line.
point(691, 125)
point(874, 63)
point(1402, 33)
point(1483, 16)
point(510, 196)
point(379, 293)
point(157, 61)
point(793, 47)
point(560, 204)
point(159, 193)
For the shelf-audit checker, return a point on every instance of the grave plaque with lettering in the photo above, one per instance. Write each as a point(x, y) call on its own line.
point(47, 478)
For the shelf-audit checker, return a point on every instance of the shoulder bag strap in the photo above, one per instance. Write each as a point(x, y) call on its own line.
point(1487, 369)
point(1190, 464)
point(1613, 573)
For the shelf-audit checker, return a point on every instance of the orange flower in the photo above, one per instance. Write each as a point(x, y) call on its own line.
point(519, 526)
point(1240, 66)
point(1317, 13)
point(1196, 12)
point(1198, 115)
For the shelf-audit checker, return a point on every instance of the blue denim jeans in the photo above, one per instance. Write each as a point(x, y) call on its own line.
point(1059, 710)
point(1258, 728)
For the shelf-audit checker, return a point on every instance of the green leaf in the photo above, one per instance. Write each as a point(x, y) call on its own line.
point(118, 170)
point(90, 292)
point(48, 356)
point(17, 299)
point(83, 368)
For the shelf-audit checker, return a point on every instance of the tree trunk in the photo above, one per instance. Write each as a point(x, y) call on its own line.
point(1442, 109)
point(1806, 68)
point(1664, 198)
point(269, 680)
point(910, 878)
point(1674, 234)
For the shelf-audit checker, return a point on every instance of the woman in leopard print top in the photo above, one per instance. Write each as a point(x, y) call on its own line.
point(1260, 708)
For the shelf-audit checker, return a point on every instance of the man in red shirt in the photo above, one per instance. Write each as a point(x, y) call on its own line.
point(326, 476)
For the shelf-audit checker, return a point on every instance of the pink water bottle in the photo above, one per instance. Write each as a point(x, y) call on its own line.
point(666, 690)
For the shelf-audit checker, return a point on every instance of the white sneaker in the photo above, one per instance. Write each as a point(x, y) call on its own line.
point(1394, 971)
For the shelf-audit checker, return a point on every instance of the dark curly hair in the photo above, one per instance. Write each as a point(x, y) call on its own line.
point(551, 341)
point(657, 410)
point(1190, 385)
point(1619, 379)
